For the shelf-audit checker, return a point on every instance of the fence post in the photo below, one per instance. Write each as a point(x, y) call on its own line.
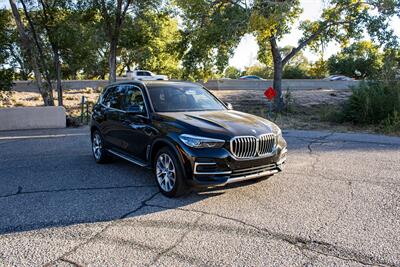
point(82, 107)
point(87, 112)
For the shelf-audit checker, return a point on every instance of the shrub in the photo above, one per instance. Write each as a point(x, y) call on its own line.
point(392, 123)
point(6, 83)
point(294, 72)
point(373, 103)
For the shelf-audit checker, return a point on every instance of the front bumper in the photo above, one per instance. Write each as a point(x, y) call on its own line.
point(225, 169)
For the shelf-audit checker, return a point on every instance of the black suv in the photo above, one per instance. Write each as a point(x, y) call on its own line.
point(185, 134)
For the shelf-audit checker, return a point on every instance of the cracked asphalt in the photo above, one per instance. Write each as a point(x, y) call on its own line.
point(337, 203)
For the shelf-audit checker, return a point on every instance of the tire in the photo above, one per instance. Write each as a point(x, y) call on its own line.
point(99, 152)
point(169, 173)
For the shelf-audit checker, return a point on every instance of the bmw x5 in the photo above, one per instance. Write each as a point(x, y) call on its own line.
point(185, 134)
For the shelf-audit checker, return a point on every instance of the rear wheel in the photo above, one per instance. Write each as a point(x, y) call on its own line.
point(168, 173)
point(99, 153)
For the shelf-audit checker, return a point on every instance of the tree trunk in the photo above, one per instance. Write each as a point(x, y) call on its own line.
point(57, 66)
point(112, 60)
point(26, 44)
point(278, 70)
point(277, 84)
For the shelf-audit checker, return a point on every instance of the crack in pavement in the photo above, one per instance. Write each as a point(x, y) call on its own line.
point(179, 241)
point(321, 175)
point(319, 247)
point(71, 262)
point(74, 249)
point(20, 192)
point(342, 141)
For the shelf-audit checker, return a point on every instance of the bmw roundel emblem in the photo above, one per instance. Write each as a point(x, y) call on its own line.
point(254, 131)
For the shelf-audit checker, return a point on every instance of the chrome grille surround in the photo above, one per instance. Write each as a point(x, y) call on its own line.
point(267, 144)
point(245, 147)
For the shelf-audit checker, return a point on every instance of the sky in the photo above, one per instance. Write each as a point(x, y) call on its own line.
point(246, 52)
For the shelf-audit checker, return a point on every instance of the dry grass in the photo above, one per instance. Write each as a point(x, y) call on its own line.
point(71, 99)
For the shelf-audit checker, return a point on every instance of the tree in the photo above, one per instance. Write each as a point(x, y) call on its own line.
point(50, 17)
point(113, 14)
point(340, 20)
point(34, 52)
point(391, 65)
point(6, 74)
point(232, 72)
point(359, 60)
point(211, 31)
point(318, 69)
point(259, 70)
point(151, 41)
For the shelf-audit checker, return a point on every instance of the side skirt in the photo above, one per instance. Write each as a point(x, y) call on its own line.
point(128, 158)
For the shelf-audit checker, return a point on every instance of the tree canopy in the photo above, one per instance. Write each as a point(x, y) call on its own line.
point(190, 39)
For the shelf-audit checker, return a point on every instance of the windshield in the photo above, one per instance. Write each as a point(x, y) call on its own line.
point(183, 98)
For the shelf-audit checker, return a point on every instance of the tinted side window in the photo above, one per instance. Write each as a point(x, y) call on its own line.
point(134, 100)
point(114, 97)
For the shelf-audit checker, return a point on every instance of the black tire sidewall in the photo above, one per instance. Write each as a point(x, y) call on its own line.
point(180, 185)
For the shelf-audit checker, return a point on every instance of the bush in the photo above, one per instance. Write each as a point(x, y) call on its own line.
point(294, 72)
point(6, 79)
point(6, 83)
point(392, 123)
point(373, 103)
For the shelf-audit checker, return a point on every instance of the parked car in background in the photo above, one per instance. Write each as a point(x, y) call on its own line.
point(251, 77)
point(145, 75)
point(185, 134)
point(338, 78)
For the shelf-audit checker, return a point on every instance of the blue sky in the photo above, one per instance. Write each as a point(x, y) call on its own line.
point(246, 52)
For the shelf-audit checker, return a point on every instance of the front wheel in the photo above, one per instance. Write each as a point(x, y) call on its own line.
point(169, 174)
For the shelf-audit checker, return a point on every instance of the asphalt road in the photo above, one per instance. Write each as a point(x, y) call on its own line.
point(336, 204)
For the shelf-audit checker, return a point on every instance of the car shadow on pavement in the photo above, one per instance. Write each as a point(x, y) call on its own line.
point(96, 193)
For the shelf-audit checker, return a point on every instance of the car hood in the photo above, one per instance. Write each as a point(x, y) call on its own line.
point(226, 123)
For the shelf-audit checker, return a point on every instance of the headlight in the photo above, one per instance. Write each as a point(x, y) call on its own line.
point(201, 142)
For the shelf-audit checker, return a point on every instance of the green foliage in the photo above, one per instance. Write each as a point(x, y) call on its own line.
point(294, 72)
point(359, 60)
point(273, 18)
point(211, 31)
point(259, 70)
point(151, 41)
point(373, 103)
point(6, 74)
point(232, 72)
point(391, 65)
point(6, 79)
point(318, 70)
point(392, 123)
point(6, 82)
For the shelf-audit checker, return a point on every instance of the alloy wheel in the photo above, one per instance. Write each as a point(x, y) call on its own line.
point(165, 172)
point(97, 146)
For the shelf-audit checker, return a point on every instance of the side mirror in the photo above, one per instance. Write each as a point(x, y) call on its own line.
point(229, 106)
